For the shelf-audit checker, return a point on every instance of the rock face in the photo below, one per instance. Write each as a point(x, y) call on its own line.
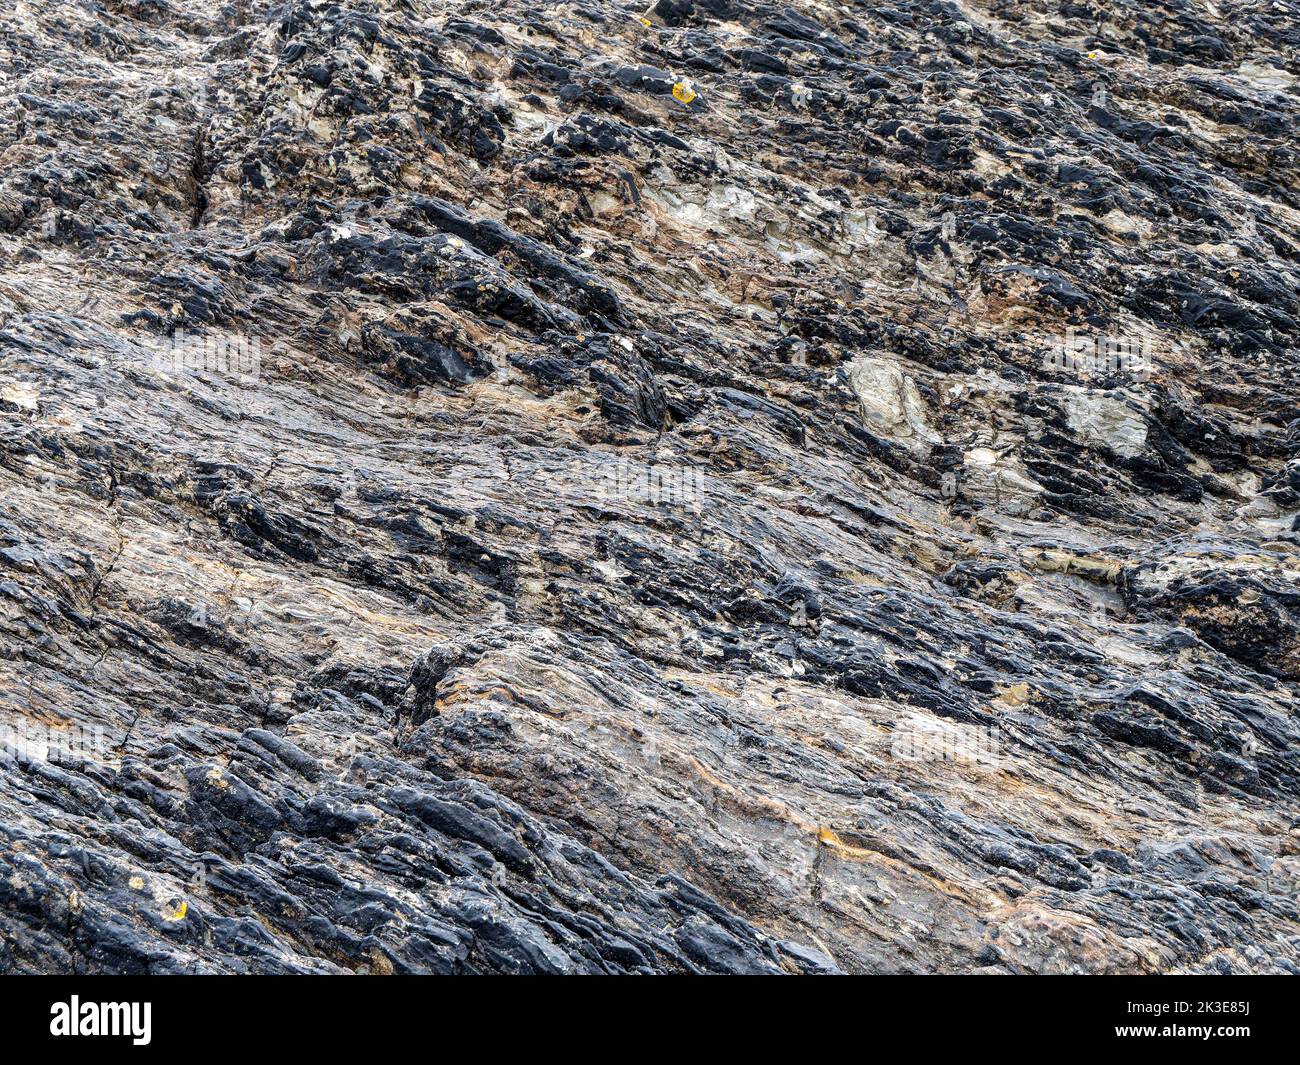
point(732, 487)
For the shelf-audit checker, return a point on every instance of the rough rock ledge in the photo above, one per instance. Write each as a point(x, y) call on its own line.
point(727, 486)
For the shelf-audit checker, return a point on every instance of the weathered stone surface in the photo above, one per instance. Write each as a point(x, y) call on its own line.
point(728, 487)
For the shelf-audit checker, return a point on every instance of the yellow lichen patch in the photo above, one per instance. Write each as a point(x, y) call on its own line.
point(1013, 694)
point(177, 912)
point(218, 778)
point(136, 883)
point(684, 91)
point(830, 838)
point(453, 695)
point(719, 688)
